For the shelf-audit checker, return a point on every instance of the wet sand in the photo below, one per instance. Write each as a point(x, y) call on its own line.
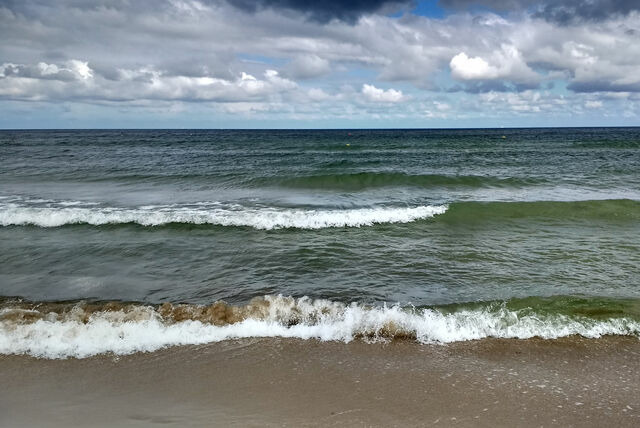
point(287, 382)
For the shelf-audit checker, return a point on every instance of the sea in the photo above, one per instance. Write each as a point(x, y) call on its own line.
point(124, 241)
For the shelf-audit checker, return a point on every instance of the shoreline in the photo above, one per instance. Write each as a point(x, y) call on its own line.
point(290, 382)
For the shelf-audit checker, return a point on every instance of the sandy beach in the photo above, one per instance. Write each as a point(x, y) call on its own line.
point(285, 382)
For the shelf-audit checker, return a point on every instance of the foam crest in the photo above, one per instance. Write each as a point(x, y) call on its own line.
point(260, 218)
point(60, 331)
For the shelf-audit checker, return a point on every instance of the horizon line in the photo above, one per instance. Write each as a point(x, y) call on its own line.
point(321, 129)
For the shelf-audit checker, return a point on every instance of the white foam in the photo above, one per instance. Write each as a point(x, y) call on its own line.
point(144, 330)
point(259, 218)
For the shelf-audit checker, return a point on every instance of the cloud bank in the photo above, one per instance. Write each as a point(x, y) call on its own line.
point(372, 62)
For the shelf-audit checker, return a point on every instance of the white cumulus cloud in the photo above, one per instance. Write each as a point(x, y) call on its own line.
point(373, 94)
point(506, 63)
point(469, 68)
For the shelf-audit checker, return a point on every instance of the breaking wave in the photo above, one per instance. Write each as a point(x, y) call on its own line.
point(259, 218)
point(56, 214)
point(61, 330)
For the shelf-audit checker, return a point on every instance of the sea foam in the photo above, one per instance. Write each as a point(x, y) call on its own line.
point(234, 215)
point(81, 331)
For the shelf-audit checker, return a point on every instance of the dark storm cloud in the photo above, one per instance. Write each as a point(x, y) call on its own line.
point(324, 10)
point(590, 10)
point(559, 11)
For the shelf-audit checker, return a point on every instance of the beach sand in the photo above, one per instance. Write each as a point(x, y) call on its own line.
point(287, 382)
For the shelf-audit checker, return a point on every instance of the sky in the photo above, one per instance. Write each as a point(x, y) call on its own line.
point(318, 64)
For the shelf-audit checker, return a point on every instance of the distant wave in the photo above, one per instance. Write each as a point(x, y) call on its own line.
point(612, 210)
point(365, 180)
point(259, 218)
point(60, 330)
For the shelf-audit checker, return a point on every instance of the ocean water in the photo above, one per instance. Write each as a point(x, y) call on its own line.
point(132, 240)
